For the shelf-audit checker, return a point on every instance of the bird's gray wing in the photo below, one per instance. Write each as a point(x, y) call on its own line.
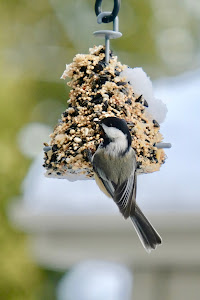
point(125, 195)
point(123, 191)
point(106, 183)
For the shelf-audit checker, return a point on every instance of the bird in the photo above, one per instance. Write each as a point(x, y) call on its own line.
point(115, 172)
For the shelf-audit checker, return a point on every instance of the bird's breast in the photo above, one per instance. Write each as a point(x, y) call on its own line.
point(115, 168)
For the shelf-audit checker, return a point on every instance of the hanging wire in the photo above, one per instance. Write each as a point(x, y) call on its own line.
point(114, 13)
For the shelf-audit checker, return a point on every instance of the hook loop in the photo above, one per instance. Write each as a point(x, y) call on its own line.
point(114, 13)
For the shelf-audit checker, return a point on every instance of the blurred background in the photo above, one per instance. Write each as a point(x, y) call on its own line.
point(37, 39)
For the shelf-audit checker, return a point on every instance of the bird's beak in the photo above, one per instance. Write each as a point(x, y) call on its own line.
point(101, 131)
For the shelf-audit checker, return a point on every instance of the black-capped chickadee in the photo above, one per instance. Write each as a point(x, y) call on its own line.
point(114, 164)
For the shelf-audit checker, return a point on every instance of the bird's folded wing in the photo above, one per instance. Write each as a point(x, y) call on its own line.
point(106, 183)
point(125, 196)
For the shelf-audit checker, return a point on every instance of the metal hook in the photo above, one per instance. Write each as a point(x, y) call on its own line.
point(108, 34)
point(115, 21)
point(112, 15)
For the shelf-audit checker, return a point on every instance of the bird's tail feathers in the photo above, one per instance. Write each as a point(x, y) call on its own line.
point(147, 234)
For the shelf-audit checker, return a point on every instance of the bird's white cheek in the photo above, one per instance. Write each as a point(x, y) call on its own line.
point(117, 147)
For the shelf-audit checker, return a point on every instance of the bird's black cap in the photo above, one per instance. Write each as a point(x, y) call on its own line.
point(119, 124)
